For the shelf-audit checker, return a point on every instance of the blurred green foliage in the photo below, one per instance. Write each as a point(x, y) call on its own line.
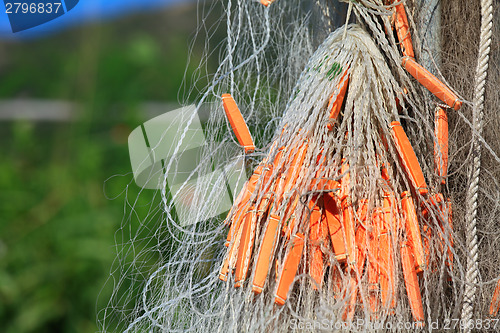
point(57, 225)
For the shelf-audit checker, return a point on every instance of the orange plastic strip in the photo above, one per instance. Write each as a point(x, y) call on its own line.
point(315, 255)
point(390, 212)
point(434, 203)
point(264, 205)
point(243, 202)
point(413, 230)
point(348, 314)
point(352, 293)
point(290, 220)
point(335, 105)
point(442, 211)
point(432, 83)
point(361, 246)
point(267, 188)
point(390, 227)
point(383, 170)
point(495, 301)
point(410, 161)
point(294, 166)
point(238, 124)
point(245, 249)
point(266, 2)
point(373, 264)
point(387, 281)
point(231, 255)
point(411, 282)
point(344, 183)
point(441, 144)
point(362, 211)
point(225, 266)
point(450, 222)
point(332, 213)
point(290, 266)
point(403, 31)
point(386, 264)
point(264, 258)
point(288, 178)
point(336, 281)
point(348, 223)
point(238, 219)
point(427, 232)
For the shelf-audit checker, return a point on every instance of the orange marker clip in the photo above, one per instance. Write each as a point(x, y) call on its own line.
point(238, 124)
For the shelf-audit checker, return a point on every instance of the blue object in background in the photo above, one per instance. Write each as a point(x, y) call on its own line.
point(70, 4)
point(26, 14)
point(82, 11)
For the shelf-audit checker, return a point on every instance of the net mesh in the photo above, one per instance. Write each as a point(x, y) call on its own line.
point(284, 65)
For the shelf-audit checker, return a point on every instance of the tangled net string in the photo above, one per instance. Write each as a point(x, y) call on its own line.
point(284, 64)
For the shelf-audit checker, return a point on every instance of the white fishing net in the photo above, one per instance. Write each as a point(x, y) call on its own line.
point(284, 65)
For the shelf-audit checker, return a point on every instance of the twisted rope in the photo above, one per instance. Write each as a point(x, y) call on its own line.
point(472, 193)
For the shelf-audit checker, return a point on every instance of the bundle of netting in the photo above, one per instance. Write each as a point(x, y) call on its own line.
point(365, 192)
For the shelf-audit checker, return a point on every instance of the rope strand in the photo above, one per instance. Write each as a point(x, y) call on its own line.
point(471, 278)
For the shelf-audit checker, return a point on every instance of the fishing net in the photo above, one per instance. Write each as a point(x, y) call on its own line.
point(355, 214)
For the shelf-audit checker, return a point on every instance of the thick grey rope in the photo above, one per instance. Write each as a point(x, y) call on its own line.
point(472, 193)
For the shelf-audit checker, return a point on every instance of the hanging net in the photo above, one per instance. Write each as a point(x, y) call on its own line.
point(356, 211)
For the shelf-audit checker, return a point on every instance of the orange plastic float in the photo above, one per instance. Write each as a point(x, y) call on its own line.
point(495, 301)
point(407, 155)
point(264, 258)
point(315, 236)
point(238, 123)
point(245, 248)
point(403, 30)
point(289, 270)
point(411, 282)
point(335, 105)
point(373, 246)
point(389, 225)
point(347, 215)
point(413, 231)
point(441, 144)
point(334, 223)
point(432, 83)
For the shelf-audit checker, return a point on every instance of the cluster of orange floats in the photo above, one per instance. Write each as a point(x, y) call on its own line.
point(364, 239)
